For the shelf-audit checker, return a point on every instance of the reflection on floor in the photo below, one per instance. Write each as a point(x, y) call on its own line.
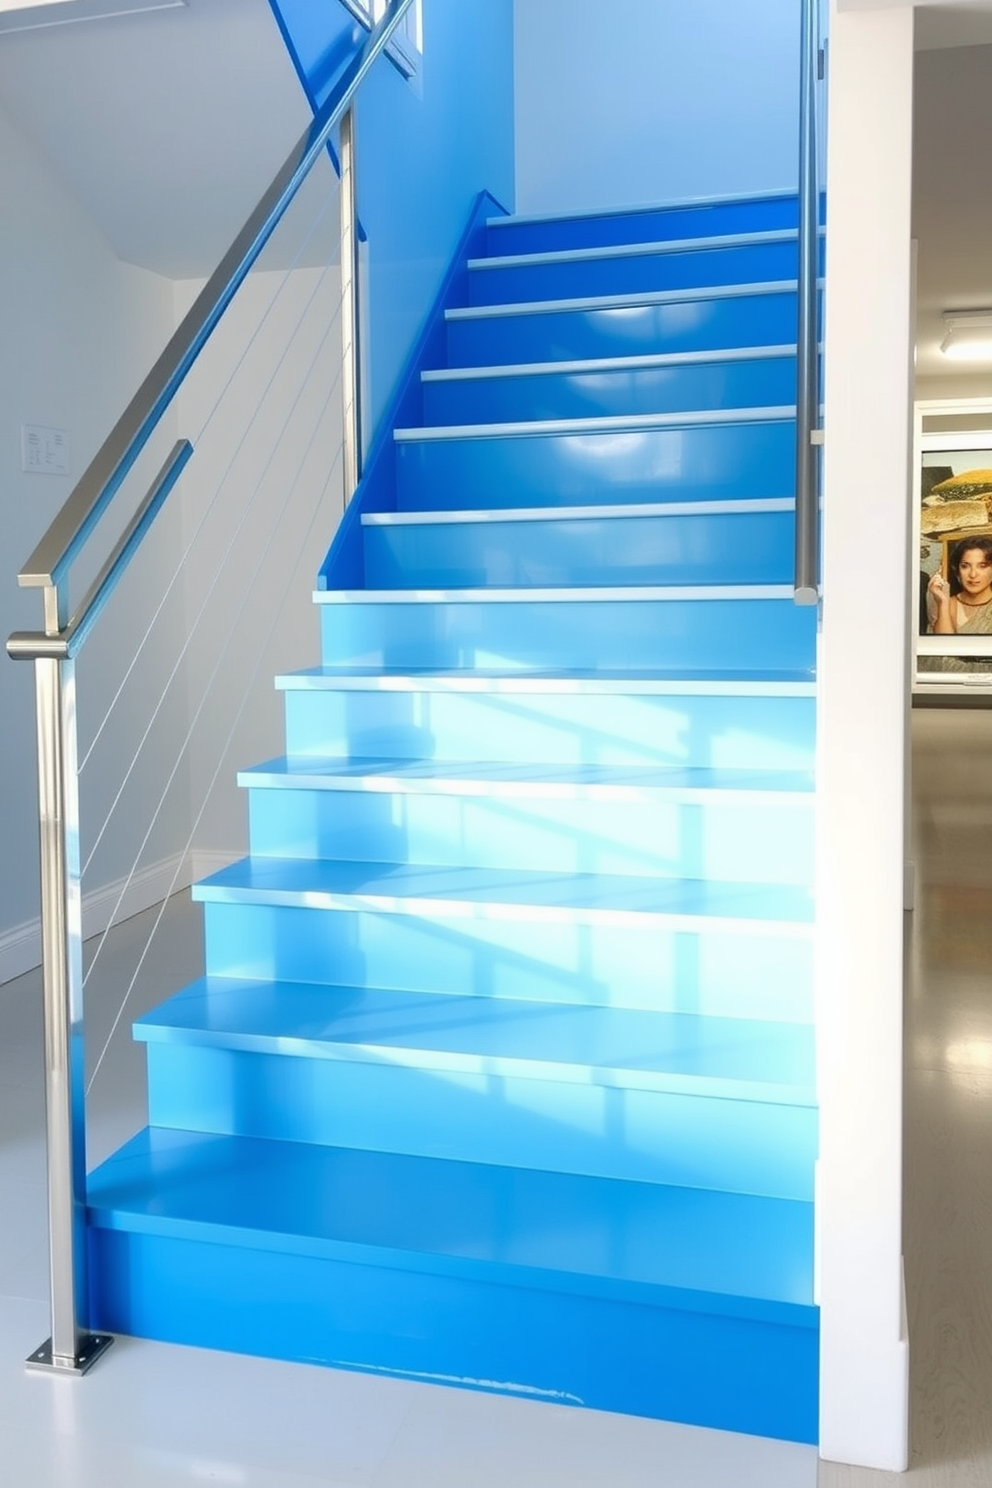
point(153, 1415)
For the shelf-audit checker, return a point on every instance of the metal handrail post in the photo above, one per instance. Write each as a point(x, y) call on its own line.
point(350, 312)
point(807, 587)
point(70, 1349)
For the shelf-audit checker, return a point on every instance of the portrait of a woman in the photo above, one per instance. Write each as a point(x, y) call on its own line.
point(962, 603)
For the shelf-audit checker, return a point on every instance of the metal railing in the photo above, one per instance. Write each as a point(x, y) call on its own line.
point(72, 1348)
point(809, 435)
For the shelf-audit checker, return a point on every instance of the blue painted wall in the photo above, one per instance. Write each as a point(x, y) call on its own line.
point(424, 152)
point(320, 39)
point(654, 99)
point(426, 148)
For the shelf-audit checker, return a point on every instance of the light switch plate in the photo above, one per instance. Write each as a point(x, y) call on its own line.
point(44, 451)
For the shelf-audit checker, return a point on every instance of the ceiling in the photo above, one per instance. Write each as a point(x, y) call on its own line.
point(952, 176)
point(167, 125)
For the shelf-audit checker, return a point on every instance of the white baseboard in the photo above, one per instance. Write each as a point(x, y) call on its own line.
point(20, 946)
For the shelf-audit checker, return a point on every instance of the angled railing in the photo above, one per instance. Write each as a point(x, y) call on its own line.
point(809, 435)
point(72, 1348)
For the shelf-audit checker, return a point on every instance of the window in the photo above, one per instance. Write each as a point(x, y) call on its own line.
point(407, 43)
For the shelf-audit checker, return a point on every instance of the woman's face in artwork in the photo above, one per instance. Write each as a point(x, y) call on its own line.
point(974, 571)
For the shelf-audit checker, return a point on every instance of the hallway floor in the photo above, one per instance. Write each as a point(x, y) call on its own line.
point(153, 1416)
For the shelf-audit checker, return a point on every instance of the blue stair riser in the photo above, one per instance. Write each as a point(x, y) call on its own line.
point(737, 1146)
point(767, 842)
point(580, 467)
point(735, 1373)
point(630, 273)
point(726, 973)
point(699, 323)
point(686, 220)
point(756, 547)
point(729, 732)
point(530, 635)
point(585, 392)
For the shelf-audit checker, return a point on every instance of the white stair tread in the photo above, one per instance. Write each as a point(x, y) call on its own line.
point(623, 301)
point(464, 892)
point(609, 364)
point(638, 250)
point(620, 423)
point(517, 780)
point(562, 594)
point(671, 682)
point(639, 209)
point(664, 509)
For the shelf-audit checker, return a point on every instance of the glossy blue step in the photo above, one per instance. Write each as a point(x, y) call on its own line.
point(676, 542)
point(685, 219)
point(524, 1084)
point(734, 950)
point(667, 321)
point(671, 383)
point(609, 1048)
point(748, 827)
point(718, 626)
point(721, 722)
point(655, 1301)
point(684, 965)
point(688, 263)
point(502, 1071)
point(622, 719)
point(669, 457)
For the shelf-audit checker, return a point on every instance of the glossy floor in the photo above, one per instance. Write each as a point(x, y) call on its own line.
point(152, 1415)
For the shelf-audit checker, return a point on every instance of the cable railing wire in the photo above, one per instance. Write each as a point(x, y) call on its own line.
point(235, 533)
point(198, 438)
point(246, 692)
point(231, 631)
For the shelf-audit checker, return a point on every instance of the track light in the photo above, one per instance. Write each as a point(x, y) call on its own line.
point(968, 337)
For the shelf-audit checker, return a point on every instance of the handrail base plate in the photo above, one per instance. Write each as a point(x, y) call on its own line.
point(91, 1347)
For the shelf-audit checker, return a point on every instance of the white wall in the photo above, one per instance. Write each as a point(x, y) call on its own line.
point(862, 738)
point(653, 99)
point(78, 329)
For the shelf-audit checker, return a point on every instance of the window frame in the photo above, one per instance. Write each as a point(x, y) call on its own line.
point(405, 47)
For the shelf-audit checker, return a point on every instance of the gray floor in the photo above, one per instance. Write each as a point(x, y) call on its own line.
point(152, 1415)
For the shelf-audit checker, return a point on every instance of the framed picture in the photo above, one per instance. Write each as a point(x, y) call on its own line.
point(952, 615)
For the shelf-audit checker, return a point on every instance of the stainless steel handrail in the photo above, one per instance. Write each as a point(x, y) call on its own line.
point(29, 645)
point(808, 434)
point(350, 311)
point(72, 1348)
point(51, 559)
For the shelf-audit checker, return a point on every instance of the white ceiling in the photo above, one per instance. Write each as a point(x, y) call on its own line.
point(953, 26)
point(166, 125)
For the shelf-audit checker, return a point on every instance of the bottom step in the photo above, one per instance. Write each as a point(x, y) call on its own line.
point(680, 1304)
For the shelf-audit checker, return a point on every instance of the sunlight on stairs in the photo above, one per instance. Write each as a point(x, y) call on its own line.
point(502, 1071)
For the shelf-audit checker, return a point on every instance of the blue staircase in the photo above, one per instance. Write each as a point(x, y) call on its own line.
point(502, 1072)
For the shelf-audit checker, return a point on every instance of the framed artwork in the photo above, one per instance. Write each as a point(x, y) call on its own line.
point(952, 615)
